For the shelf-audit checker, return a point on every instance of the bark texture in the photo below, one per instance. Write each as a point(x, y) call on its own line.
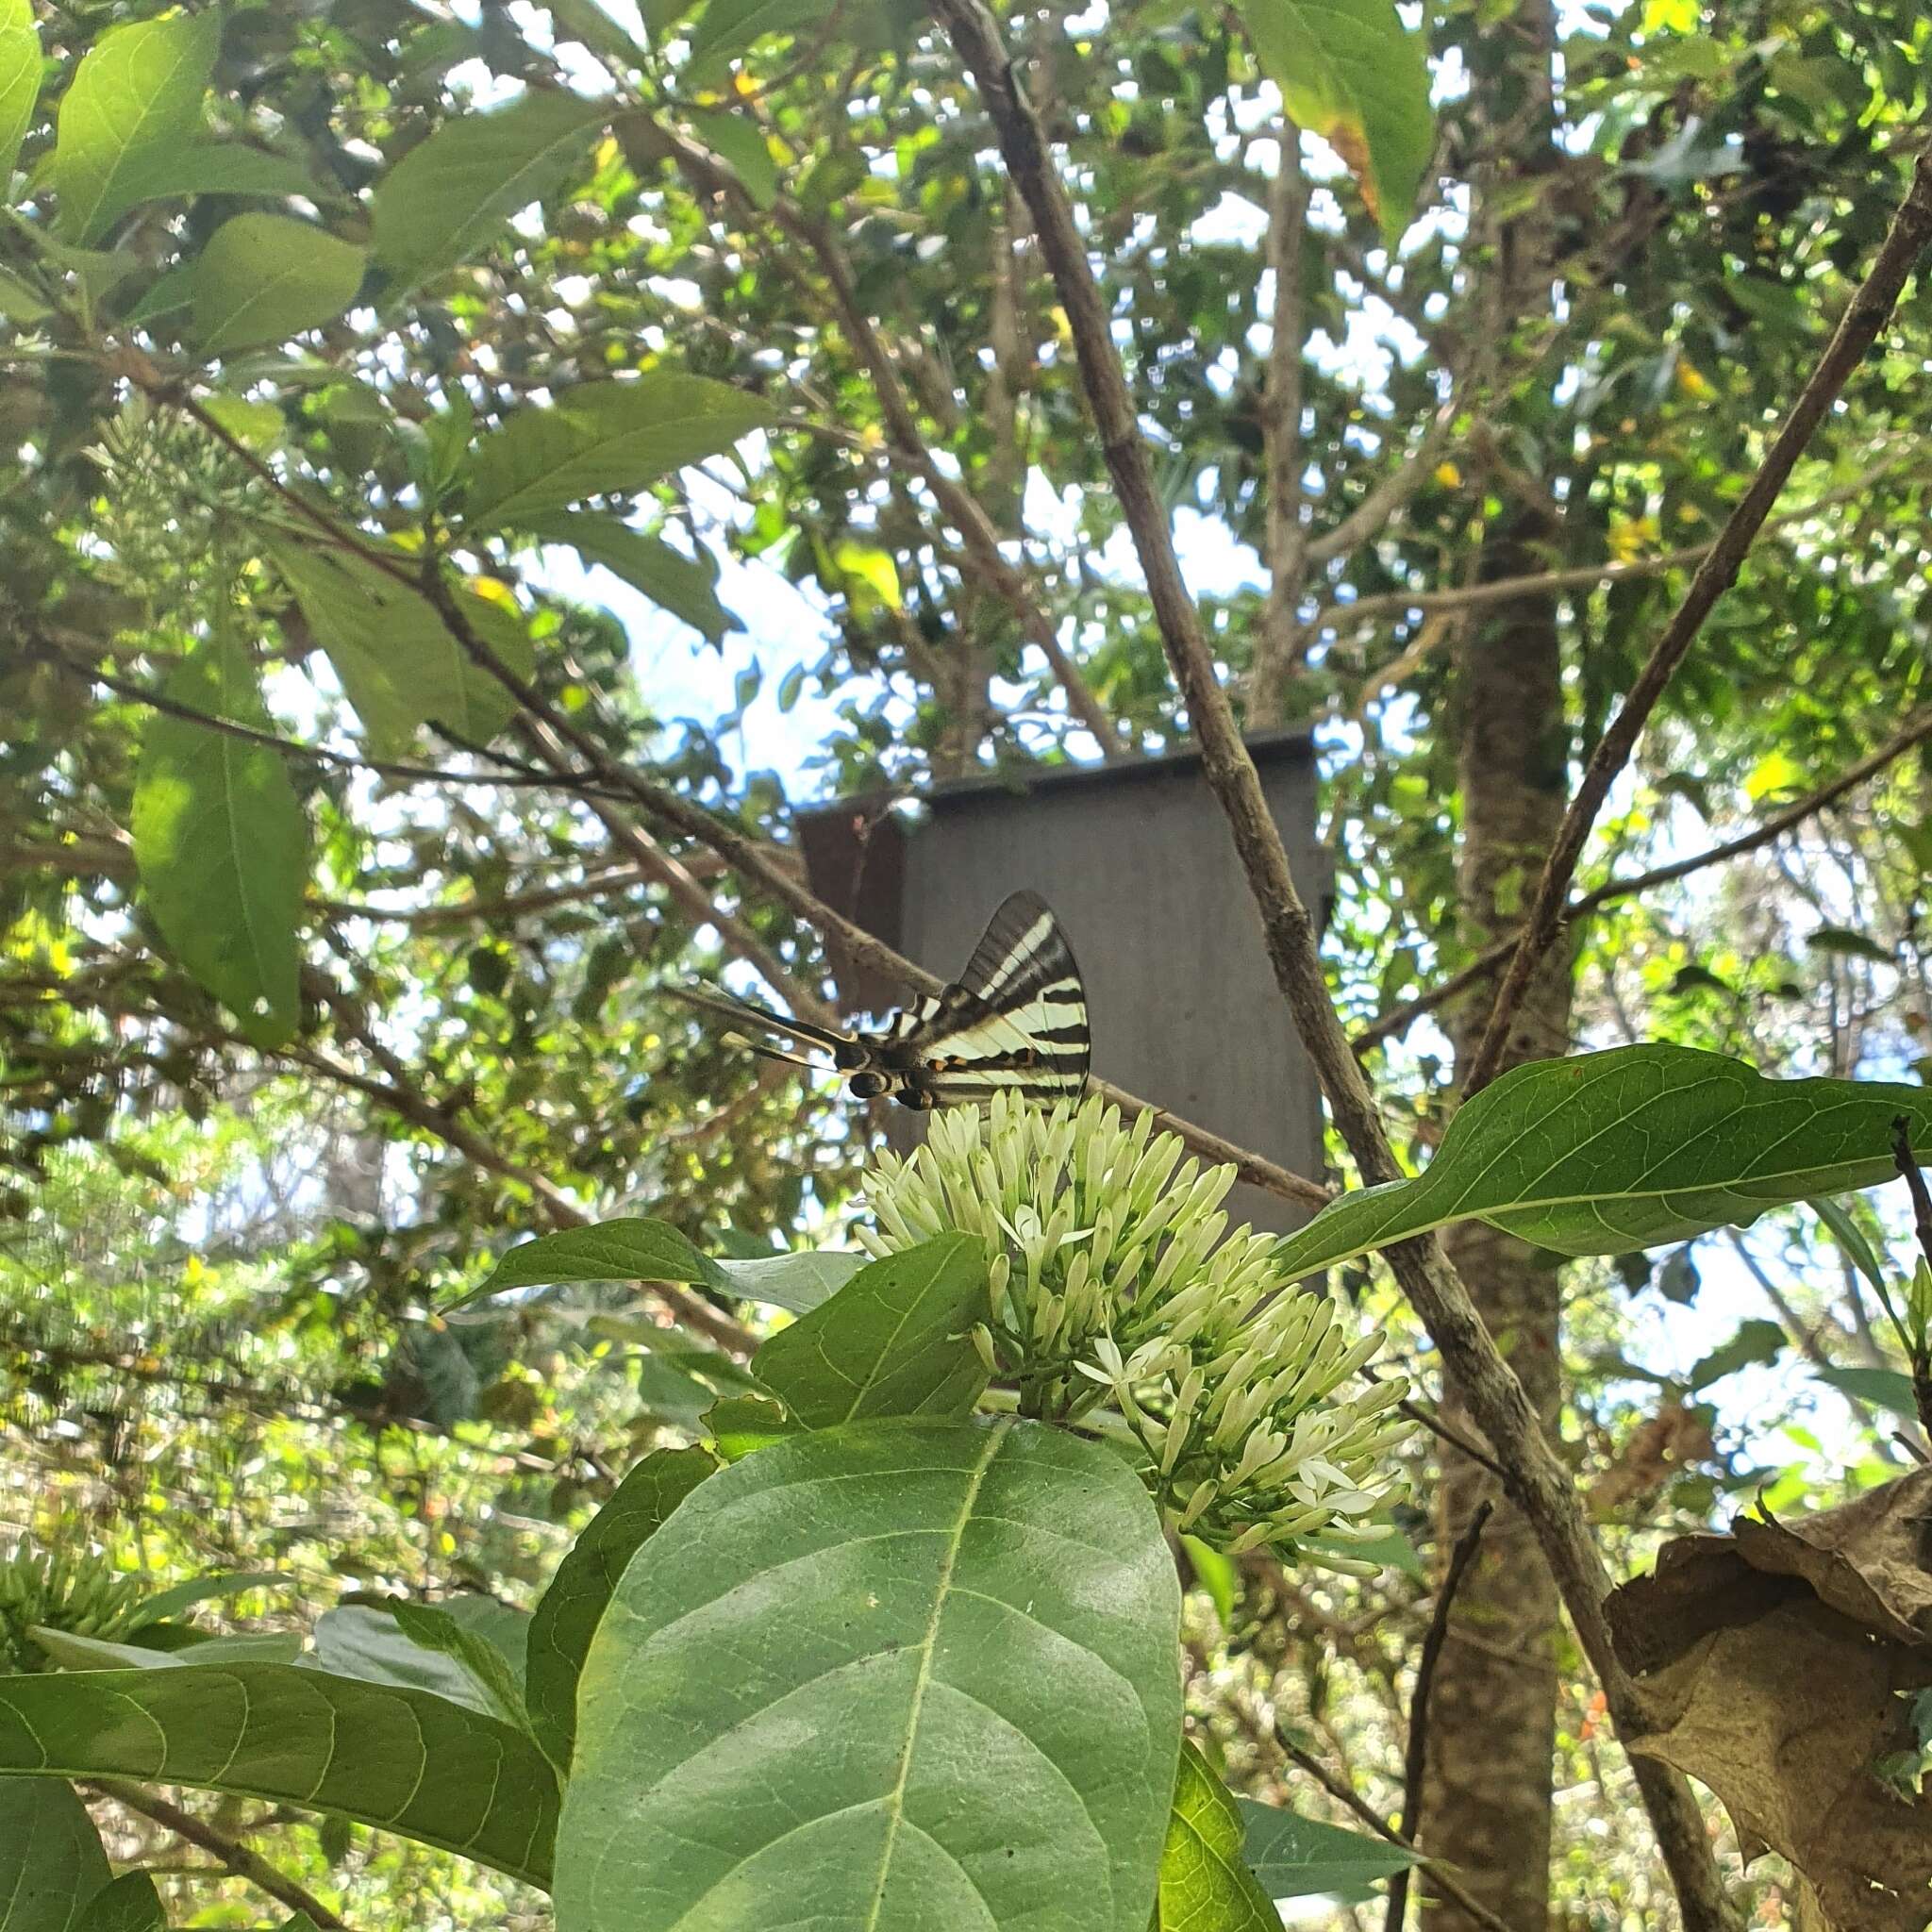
point(1487, 1797)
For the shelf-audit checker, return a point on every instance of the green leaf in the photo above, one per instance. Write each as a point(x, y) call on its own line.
point(222, 845)
point(1294, 1857)
point(399, 665)
point(259, 424)
point(263, 278)
point(449, 195)
point(727, 27)
point(227, 167)
point(1851, 1238)
point(569, 1612)
point(402, 1760)
point(1349, 71)
point(505, 1627)
point(797, 1283)
point(894, 1340)
point(682, 585)
point(630, 1249)
point(135, 102)
point(201, 1589)
point(917, 1676)
point(1391, 1549)
point(1634, 1148)
point(1216, 1574)
point(20, 81)
point(168, 294)
point(51, 1858)
point(130, 1904)
point(739, 1425)
point(738, 140)
point(1754, 1343)
point(370, 1642)
point(1203, 1885)
point(431, 1628)
point(19, 302)
point(1881, 1387)
point(605, 436)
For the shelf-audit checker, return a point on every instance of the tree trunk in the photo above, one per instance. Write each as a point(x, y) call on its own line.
point(1487, 1793)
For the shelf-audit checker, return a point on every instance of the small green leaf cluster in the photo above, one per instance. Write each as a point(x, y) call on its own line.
point(1113, 1275)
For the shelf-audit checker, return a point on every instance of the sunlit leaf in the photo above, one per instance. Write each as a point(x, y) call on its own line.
point(1884, 1389)
point(1349, 71)
point(682, 585)
point(300, 1736)
point(448, 196)
point(1634, 1148)
point(894, 1340)
point(605, 436)
point(262, 278)
point(726, 28)
point(634, 1248)
point(221, 843)
point(133, 103)
point(1204, 1885)
point(738, 140)
point(984, 1618)
point(20, 79)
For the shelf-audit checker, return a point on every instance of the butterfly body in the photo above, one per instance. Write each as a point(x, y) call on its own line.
point(1015, 1018)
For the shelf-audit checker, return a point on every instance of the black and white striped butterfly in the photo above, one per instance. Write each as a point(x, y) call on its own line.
point(1015, 1019)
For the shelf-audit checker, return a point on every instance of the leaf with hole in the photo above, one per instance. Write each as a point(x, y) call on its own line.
point(569, 1612)
point(263, 278)
point(402, 1760)
point(133, 103)
point(1204, 1885)
point(221, 843)
point(1349, 71)
point(984, 1619)
point(51, 1858)
point(897, 1340)
point(450, 194)
point(1635, 1147)
point(603, 438)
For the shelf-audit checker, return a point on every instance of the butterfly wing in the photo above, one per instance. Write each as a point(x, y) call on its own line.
point(1015, 1019)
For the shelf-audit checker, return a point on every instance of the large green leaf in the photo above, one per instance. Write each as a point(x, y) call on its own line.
point(221, 843)
point(634, 1248)
point(1297, 1857)
point(1627, 1149)
point(226, 167)
point(20, 79)
point(130, 1904)
point(449, 195)
point(1349, 71)
point(399, 665)
point(51, 1859)
point(1205, 1886)
point(682, 585)
point(74, 1652)
point(133, 103)
point(909, 1675)
point(570, 1610)
point(894, 1340)
point(402, 1760)
point(602, 437)
point(263, 278)
point(1882, 1388)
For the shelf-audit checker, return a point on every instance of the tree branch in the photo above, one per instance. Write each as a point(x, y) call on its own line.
point(237, 1856)
point(1867, 313)
point(1917, 729)
point(1415, 1758)
point(1538, 1480)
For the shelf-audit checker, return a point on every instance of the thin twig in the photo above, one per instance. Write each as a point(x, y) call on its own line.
point(1415, 1758)
point(237, 1856)
point(1867, 313)
point(1537, 1478)
point(1915, 730)
point(1439, 1874)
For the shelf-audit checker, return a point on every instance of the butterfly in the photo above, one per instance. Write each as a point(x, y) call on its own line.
point(1016, 1018)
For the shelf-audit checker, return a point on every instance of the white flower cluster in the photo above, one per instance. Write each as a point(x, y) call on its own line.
point(1112, 1277)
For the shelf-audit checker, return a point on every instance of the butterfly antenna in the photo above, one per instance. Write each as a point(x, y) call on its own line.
point(772, 1053)
point(707, 1001)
